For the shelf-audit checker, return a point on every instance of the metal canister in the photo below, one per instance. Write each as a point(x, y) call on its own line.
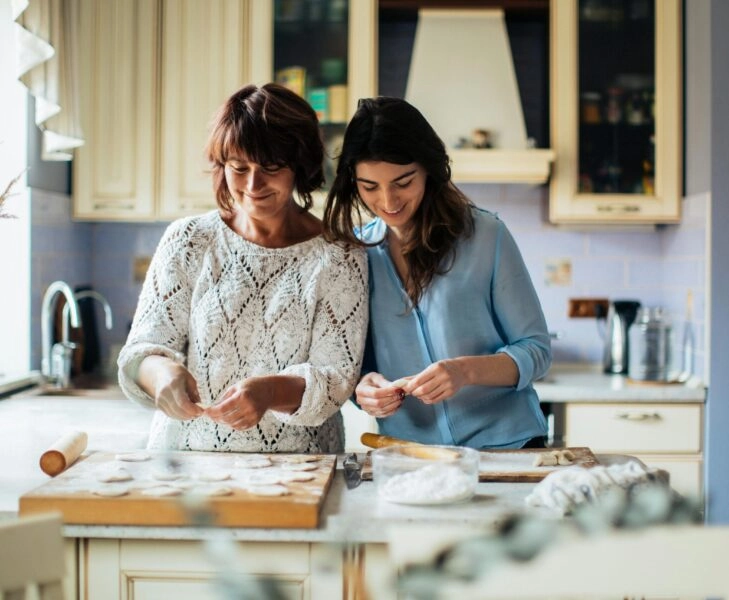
point(651, 345)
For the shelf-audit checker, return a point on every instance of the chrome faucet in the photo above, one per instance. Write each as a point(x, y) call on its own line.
point(62, 352)
point(49, 373)
point(108, 320)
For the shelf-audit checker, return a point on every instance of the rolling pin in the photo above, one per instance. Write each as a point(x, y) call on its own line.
point(375, 440)
point(63, 453)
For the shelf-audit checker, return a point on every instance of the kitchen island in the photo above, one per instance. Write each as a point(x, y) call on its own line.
point(344, 555)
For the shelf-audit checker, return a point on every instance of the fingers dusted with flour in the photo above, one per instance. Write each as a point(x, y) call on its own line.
point(379, 397)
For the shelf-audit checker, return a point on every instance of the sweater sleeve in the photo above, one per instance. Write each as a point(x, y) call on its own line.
point(519, 312)
point(337, 340)
point(160, 323)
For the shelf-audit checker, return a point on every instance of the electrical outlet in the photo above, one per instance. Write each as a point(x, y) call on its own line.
point(578, 308)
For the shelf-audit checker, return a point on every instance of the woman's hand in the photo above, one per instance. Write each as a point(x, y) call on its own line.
point(439, 381)
point(173, 387)
point(377, 396)
point(243, 404)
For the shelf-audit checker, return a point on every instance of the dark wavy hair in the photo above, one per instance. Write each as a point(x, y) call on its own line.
point(391, 130)
point(273, 126)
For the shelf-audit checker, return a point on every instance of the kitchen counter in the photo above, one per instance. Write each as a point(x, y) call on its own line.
point(30, 423)
point(580, 383)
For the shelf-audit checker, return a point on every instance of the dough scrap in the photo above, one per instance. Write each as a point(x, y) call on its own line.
point(304, 466)
point(162, 490)
point(257, 462)
point(265, 478)
point(553, 458)
point(133, 456)
point(113, 474)
point(212, 490)
point(213, 476)
point(402, 382)
point(297, 476)
point(298, 458)
point(111, 491)
point(267, 490)
point(165, 475)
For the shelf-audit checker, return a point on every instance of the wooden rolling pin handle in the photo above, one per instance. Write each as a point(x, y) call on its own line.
point(63, 453)
point(375, 440)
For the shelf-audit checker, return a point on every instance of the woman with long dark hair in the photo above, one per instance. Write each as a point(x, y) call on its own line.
point(456, 333)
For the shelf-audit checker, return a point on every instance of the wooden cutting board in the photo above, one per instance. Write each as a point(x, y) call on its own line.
point(513, 465)
point(72, 493)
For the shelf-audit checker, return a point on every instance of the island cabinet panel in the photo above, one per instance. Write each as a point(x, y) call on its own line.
point(200, 570)
point(665, 436)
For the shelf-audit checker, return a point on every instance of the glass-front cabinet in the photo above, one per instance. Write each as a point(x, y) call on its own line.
point(616, 111)
point(323, 50)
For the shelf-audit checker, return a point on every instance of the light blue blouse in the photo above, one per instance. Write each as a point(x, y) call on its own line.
point(485, 304)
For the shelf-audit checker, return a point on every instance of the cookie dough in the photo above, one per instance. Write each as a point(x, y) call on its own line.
point(112, 474)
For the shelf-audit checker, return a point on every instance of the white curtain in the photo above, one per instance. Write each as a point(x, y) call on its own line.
point(46, 33)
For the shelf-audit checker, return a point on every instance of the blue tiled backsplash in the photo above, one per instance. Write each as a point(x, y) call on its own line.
point(656, 266)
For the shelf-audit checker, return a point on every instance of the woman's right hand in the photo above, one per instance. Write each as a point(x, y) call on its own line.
point(377, 396)
point(172, 386)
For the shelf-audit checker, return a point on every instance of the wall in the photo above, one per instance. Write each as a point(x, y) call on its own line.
point(656, 266)
point(60, 249)
point(717, 406)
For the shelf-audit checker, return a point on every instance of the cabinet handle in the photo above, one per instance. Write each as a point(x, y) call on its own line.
point(113, 207)
point(631, 208)
point(638, 416)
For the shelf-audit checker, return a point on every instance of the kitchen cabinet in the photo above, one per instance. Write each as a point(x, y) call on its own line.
point(665, 436)
point(616, 115)
point(129, 569)
point(152, 75)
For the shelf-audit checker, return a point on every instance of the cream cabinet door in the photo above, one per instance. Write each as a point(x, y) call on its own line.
point(204, 60)
point(161, 570)
point(114, 171)
point(616, 112)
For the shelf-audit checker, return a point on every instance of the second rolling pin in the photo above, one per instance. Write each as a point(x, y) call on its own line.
point(63, 453)
point(414, 449)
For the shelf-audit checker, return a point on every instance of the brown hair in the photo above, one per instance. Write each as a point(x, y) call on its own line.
point(391, 130)
point(273, 126)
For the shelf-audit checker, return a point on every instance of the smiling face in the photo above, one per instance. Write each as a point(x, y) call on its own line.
point(260, 190)
point(390, 191)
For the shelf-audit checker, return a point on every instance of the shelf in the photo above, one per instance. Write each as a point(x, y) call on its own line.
point(501, 166)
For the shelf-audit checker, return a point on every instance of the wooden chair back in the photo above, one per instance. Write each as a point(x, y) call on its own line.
point(31, 556)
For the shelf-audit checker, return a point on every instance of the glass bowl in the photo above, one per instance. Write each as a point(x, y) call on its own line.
point(410, 474)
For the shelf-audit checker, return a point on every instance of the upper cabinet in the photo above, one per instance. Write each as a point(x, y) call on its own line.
point(325, 51)
point(115, 171)
point(153, 74)
point(616, 111)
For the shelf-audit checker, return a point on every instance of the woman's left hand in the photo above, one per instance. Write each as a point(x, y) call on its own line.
point(438, 382)
point(243, 404)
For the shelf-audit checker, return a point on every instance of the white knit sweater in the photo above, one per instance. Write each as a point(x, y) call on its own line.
point(230, 309)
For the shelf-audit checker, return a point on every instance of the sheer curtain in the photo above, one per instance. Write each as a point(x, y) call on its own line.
point(46, 33)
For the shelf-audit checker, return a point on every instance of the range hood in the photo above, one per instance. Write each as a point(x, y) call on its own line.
point(462, 79)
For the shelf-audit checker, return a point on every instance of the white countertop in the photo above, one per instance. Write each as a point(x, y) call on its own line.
point(581, 383)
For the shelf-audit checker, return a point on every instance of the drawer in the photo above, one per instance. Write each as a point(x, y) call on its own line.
point(686, 473)
point(635, 428)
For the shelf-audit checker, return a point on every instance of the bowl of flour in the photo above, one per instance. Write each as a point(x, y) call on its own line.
point(425, 474)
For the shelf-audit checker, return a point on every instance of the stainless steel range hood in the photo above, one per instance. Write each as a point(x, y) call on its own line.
point(462, 79)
